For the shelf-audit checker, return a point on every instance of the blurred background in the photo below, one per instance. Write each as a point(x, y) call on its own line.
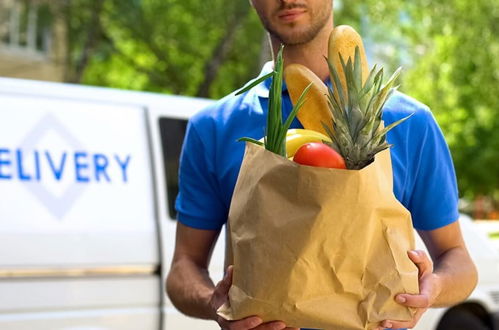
point(449, 51)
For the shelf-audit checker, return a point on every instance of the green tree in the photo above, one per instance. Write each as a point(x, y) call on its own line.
point(182, 47)
point(449, 53)
point(457, 74)
point(82, 20)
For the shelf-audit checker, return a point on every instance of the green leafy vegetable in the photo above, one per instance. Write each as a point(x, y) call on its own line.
point(275, 132)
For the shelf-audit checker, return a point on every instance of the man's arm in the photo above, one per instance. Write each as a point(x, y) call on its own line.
point(456, 273)
point(447, 280)
point(189, 285)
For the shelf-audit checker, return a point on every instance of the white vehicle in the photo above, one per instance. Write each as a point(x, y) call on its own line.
point(481, 310)
point(88, 177)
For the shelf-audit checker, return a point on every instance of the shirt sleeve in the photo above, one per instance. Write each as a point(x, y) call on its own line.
point(434, 198)
point(198, 203)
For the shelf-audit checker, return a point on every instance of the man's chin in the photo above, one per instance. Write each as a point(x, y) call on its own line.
point(296, 33)
point(295, 38)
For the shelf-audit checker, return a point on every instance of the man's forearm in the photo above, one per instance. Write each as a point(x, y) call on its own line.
point(457, 277)
point(190, 289)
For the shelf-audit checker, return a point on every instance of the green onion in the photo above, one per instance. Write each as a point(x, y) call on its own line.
point(275, 132)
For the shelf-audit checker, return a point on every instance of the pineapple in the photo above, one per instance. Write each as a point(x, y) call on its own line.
point(356, 129)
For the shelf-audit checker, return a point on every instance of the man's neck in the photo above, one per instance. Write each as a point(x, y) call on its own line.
point(310, 54)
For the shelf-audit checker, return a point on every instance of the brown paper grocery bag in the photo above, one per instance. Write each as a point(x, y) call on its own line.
point(317, 247)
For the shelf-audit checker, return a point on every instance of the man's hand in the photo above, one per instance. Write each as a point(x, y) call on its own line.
point(429, 288)
point(221, 296)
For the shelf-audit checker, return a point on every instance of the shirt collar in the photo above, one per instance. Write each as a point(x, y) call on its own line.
point(262, 89)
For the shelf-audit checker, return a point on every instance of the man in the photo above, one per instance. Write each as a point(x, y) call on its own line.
point(424, 180)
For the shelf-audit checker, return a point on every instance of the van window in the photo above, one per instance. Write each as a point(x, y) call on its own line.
point(172, 135)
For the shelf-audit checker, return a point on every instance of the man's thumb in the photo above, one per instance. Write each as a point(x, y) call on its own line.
point(226, 282)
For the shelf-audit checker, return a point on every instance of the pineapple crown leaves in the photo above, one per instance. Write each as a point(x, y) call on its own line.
point(357, 110)
point(275, 131)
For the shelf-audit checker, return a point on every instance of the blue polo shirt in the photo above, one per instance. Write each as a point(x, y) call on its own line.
point(424, 180)
point(423, 173)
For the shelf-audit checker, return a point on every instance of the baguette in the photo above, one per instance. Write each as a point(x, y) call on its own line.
point(342, 41)
point(315, 109)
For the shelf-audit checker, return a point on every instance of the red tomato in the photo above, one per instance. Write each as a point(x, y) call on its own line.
point(318, 154)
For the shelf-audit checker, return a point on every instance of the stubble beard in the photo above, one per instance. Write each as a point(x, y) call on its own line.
point(304, 35)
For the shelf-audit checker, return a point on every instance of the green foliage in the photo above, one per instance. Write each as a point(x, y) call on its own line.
point(166, 45)
point(242, 62)
point(449, 50)
point(457, 75)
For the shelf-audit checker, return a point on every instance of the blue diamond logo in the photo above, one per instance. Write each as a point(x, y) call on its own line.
point(57, 204)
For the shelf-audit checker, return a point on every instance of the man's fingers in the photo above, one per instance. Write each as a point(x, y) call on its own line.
point(228, 275)
point(389, 324)
point(275, 325)
point(422, 261)
point(396, 325)
point(421, 300)
point(224, 285)
point(251, 322)
point(417, 301)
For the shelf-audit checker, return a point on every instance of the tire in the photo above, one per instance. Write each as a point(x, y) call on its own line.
point(460, 319)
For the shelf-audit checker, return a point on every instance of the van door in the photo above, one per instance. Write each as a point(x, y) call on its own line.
point(167, 122)
point(78, 237)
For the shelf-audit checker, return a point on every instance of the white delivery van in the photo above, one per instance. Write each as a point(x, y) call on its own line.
point(87, 182)
point(88, 177)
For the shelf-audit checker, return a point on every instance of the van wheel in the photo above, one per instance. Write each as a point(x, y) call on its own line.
point(461, 319)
